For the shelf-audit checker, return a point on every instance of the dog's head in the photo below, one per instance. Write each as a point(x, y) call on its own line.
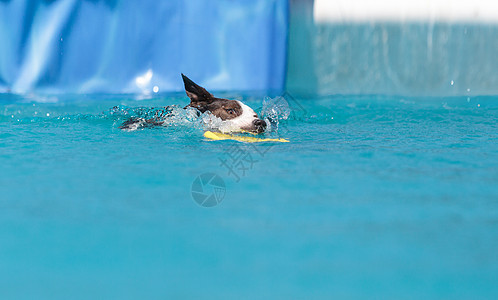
point(235, 114)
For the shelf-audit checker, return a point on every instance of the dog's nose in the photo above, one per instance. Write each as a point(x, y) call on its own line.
point(260, 125)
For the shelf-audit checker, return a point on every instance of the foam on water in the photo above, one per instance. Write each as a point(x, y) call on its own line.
point(170, 116)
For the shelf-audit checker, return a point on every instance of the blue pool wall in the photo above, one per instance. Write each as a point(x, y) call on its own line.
point(112, 46)
point(133, 46)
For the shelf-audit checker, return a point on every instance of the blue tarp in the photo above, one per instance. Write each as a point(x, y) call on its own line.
point(137, 46)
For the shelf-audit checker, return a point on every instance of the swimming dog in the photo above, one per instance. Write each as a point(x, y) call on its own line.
point(235, 115)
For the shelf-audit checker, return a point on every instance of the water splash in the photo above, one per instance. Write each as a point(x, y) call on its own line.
point(274, 110)
point(168, 116)
point(278, 112)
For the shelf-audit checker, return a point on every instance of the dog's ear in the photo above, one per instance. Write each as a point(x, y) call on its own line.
point(195, 92)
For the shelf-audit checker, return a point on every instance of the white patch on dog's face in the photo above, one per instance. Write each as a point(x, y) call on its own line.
point(242, 122)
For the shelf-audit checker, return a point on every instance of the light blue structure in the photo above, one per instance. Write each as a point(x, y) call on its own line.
point(114, 46)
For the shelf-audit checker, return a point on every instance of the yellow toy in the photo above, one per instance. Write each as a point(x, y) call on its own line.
point(217, 136)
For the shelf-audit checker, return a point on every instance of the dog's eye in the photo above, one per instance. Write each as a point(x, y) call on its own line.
point(230, 111)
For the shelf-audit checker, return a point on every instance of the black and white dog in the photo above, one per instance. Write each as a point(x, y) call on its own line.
point(235, 115)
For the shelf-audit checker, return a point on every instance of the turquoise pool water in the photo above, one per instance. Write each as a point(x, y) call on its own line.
point(374, 197)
